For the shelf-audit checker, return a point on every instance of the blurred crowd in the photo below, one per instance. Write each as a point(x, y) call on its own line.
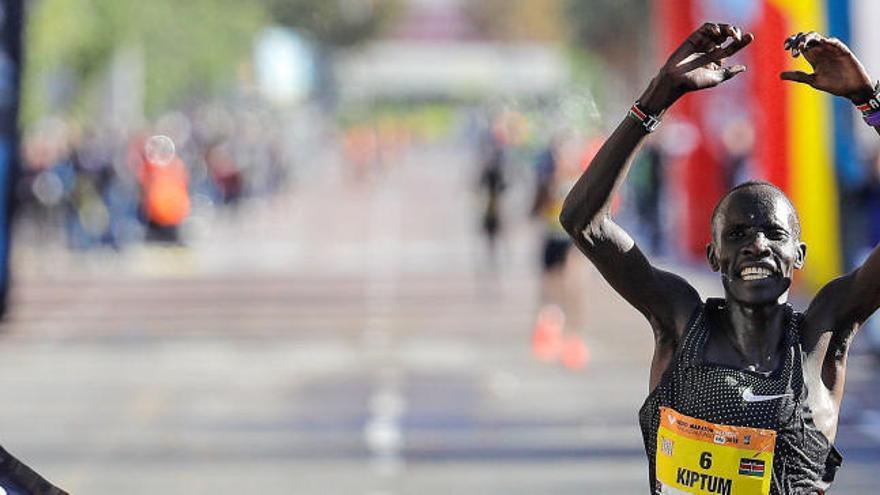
point(860, 213)
point(99, 186)
point(102, 188)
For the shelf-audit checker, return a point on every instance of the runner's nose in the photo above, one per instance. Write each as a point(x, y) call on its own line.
point(758, 246)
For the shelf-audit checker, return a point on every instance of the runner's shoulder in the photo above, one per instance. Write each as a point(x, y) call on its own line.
point(680, 315)
point(830, 308)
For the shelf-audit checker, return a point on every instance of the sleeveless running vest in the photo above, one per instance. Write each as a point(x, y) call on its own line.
point(803, 461)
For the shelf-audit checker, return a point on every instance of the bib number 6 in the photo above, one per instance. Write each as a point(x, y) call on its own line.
point(706, 460)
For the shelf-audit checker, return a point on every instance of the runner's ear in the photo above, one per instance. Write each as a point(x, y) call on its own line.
point(801, 257)
point(713, 260)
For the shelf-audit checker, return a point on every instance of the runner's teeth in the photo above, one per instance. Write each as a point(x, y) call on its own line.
point(754, 273)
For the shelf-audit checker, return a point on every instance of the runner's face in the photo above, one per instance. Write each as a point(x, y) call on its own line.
point(754, 246)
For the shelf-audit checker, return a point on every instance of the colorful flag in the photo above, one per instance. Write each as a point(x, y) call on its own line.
point(751, 467)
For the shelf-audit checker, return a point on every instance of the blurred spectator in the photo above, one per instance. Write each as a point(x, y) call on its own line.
point(647, 186)
point(868, 205)
point(225, 175)
point(492, 185)
point(361, 148)
point(165, 199)
point(738, 140)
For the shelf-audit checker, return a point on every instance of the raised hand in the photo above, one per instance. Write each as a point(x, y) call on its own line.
point(835, 69)
point(697, 64)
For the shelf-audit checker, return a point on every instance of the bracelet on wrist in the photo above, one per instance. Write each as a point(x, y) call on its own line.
point(871, 108)
point(648, 121)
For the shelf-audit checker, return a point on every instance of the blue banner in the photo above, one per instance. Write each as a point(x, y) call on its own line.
point(11, 21)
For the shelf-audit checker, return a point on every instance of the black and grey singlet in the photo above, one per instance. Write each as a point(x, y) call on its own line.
point(804, 460)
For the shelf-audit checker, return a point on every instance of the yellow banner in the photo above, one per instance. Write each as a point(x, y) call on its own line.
point(811, 171)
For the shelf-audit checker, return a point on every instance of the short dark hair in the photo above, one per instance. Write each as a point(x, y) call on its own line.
point(793, 218)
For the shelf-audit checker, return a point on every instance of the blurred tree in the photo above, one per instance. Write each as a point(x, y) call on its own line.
point(609, 39)
point(335, 23)
point(619, 31)
point(534, 20)
point(188, 48)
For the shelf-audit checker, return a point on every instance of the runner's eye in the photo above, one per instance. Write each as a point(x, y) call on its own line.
point(777, 235)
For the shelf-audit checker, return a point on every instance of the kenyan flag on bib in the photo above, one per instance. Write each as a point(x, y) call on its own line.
point(751, 467)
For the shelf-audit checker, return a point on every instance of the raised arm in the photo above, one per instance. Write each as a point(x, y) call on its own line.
point(840, 308)
point(665, 299)
point(836, 70)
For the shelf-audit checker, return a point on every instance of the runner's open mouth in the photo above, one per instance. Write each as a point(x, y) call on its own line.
point(756, 272)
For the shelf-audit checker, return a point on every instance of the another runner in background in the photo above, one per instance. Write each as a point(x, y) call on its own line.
point(559, 326)
point(745, 391)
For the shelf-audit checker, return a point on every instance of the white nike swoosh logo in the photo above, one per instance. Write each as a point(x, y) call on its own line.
point(748, 396)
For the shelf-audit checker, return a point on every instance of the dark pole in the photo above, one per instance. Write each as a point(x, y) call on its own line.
point(15, 476)
point(11, 27)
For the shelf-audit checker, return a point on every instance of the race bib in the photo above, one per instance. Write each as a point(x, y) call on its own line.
point(696, 457)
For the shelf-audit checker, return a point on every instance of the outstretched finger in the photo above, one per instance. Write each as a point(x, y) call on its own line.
point(711, 29)
point(704, 41)
point(827, 45)
point(729, 30)
point(798, 76)
point(718, 53)
point(733, 70)
point(811, 40)
point(836, 44)
point(711, 34)
point(792, 42)
point(707, 37)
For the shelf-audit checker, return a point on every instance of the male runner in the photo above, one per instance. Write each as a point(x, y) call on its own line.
point(745, 392)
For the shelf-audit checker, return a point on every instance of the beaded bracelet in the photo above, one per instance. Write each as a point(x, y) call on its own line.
point(648, 121)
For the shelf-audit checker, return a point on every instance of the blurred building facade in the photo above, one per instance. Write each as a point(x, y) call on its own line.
point(435, 51)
